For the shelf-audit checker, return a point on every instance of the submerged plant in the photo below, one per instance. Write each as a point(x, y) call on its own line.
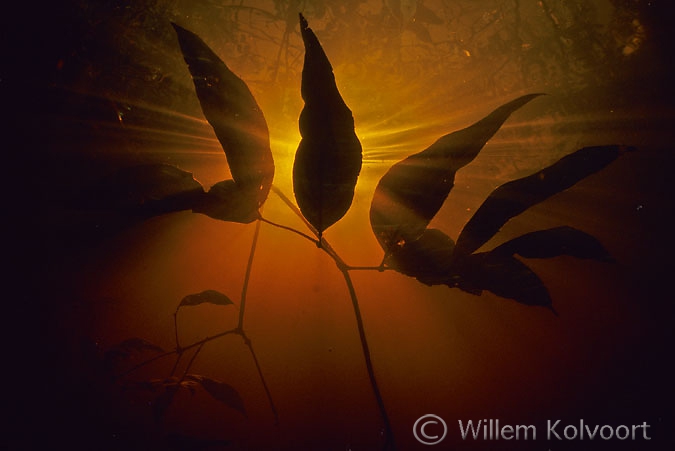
point(326, 168)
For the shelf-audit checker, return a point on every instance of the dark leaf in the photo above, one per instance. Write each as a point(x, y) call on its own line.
point(233, 113)
point(208, 296)
point(220, 391)
point(230, 201)
point(515, 197)
point(554, 242)
point(144, 190)
point(413, 190)
point(328, 159)
point(427, 258)
point(502, 275)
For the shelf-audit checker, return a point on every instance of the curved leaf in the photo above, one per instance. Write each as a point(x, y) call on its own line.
point(515, 197)
point(328, 160)
point(235, 116)
point(502, 275)
point(410, 194)
point(220, 391)
point(563, 240)
point(145, 190)
point(208, 296)
point(127, 348)
point(429, 260)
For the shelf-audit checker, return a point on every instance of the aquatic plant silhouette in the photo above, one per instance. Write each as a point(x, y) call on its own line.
point(325, 172)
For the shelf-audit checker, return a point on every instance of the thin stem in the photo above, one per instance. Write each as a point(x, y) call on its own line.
point(344, 269)
point(247, 342)
point(175, 328)
point(247, 276)
point(290, 229)
point(175, 365)
point(389, 439)
point(194, 356)
point(176, 351)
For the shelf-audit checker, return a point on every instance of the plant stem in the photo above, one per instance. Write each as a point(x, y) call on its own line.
point(194, 356)
point(290, 229)
point(247, 342)
point(247, 276)
point(389, 439)
point(344, 269)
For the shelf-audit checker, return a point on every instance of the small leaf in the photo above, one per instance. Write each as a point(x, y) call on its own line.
point(220, 391)
point(328, 160)
point(145, 190)
point(515, 197)
point(138, 344)
point(123, 351)
point(502, 275)
point(208, 296)
point(413, 190)
point(549, 243)
point(235, 116)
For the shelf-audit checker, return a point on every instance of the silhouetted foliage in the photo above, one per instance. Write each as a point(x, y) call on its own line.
point(208, 296)
point(328, 159)
point(144, 190)
point(325, 172)
point(514, 197)
point(239, 125)
point(410, 194)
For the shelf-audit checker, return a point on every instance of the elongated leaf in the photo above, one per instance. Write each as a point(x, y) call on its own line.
point(144, 190)
point(429, 259)
point(328, 160)
point(502, 275)
point(220, 391)
point(413, 190)
point(208, 296)
point(233, 113)
point(563, 240)
point(515, 197)
point(125, 350)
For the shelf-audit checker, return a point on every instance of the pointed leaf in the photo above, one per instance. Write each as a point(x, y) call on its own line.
point(502, 275)
point(413, 190)
point(515, 197)
point(328, 160)
point(208, 296)
point(554, 242)
point(220, 391)
point(429, 260)
point(145, 190)
point(139, 344)
point(233, 113)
